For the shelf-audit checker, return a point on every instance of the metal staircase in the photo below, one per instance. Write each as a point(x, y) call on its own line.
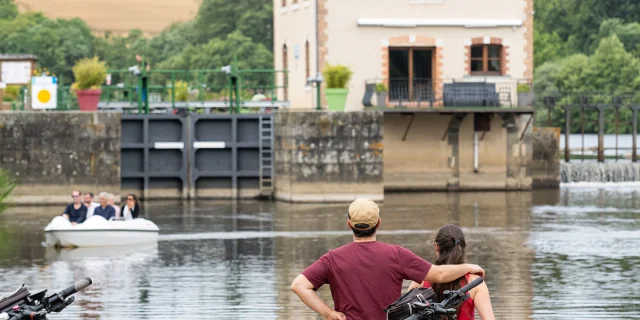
point(267, 170)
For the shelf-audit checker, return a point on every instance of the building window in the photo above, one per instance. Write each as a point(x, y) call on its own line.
point(486, 59)
point(410, 74)
point(285, 72)
point(284, 3)
point(307, 57)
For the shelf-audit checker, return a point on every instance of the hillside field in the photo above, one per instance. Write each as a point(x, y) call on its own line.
point(119, 16)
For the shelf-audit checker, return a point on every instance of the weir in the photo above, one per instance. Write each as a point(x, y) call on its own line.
point(599, 172)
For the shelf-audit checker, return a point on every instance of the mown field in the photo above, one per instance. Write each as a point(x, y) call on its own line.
point(119, 16)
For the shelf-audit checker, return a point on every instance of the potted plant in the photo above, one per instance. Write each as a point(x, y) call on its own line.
point(525, 95)
point(381, 94)
point(337, 77)
point(89, 73)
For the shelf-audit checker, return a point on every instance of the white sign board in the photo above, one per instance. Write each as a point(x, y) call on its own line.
point(14, 72)
point(44, 92)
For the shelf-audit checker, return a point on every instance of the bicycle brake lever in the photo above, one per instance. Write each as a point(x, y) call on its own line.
point(420, 305)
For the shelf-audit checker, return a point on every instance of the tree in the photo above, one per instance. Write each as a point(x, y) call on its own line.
point(8, 10)
point(548, 47)
point(609, 72)
point(576, 21)
point(58, 44)
point(219, 18)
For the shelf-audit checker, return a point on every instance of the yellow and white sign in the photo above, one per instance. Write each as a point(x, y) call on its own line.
point(44, 92)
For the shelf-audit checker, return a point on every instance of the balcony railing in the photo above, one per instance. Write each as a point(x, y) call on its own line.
point(427, 93)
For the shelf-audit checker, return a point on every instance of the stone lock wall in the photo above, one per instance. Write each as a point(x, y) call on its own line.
point(545, 166)
point(328, 156)
point(51, 153)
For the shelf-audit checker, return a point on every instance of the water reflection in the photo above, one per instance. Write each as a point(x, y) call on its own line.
point(546, 253)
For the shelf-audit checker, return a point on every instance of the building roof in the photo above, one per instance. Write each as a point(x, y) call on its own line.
point(18, 57)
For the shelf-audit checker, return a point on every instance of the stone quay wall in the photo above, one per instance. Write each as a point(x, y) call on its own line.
point(328, 156)
point(50, 153)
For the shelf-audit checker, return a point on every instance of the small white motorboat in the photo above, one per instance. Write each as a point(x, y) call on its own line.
point(98, 232)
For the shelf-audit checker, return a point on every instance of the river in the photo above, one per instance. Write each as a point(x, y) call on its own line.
point(571, 253)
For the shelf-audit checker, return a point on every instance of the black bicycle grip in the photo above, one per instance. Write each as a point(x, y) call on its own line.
point(78, 286)
point(472, 285)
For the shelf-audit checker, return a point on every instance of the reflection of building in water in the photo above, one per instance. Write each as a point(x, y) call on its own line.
point(496, 227)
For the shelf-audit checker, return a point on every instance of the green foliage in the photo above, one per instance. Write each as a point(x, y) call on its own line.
point(628, 33)
point(523, 88)
point(218, 18)
point(587, 48)
point(337, 76)
point(608, 72)
point(576, 21)
point(381, 87)
point(547, 47)
point(89, 73)
point(7, 184)
point(58, 44)
point(181, 91)
point(219, 26)
point(8, 9)
point(11, 93)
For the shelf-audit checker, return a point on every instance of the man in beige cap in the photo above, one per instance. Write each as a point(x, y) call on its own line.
point(366, 275)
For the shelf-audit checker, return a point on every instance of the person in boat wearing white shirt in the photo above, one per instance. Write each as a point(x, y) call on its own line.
point(131, 209)
point(88, 202)
point(110, 201)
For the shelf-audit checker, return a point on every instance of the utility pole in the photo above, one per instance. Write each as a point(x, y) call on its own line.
point(318, 75)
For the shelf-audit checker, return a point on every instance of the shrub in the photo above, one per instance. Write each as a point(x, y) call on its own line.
point(182, 91)
point(89, 73)
point(524, 88)
point(11, 93)
point(337, 76)
point(381, 87)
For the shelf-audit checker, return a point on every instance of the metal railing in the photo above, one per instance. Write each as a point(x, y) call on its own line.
point(195, 90)
point(467, 92)
point(601, 113)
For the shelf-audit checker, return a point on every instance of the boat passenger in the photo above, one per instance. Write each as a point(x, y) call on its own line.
point(90, 204)
point(110, 201)
point(75, 212)
point(366, 275)
point(131, 209)
point(450, 245)
point(104, 210)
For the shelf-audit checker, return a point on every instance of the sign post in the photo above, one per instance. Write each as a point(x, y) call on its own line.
point(44, 92)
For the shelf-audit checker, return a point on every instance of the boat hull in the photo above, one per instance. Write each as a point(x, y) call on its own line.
point(102, 238)
point(98, 232)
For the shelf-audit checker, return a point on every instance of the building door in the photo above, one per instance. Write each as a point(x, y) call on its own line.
point(410, 74)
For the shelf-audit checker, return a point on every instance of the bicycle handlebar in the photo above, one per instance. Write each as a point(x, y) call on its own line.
point(54, 303)
point(78, 286)
point(472, 285)
point(444, 308)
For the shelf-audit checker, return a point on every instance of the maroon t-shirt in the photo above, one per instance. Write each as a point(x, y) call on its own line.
point(366, 277)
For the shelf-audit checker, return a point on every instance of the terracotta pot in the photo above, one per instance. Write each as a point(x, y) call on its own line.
point(88, 99)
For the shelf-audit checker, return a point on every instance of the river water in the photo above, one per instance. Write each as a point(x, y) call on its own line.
point(572, 253)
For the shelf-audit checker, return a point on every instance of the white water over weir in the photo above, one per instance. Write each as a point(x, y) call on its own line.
point(599, 172)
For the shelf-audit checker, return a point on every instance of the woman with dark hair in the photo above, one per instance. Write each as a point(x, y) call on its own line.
point(450, 246)
point(131, 209)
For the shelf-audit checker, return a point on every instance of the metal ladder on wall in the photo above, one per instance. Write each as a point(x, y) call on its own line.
point(266, 165)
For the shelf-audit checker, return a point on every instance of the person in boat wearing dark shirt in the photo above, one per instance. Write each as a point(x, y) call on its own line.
point(365, 276)
point(104, 210)
point(76, 212)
